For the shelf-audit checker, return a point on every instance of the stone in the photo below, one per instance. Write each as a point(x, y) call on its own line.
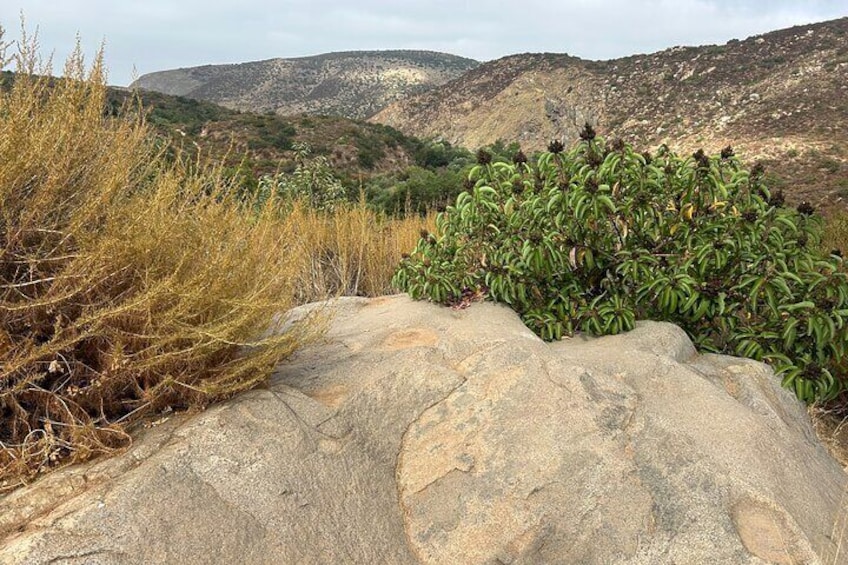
point(415, 433)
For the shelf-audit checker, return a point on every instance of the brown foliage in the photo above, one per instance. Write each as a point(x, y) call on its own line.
point(127, 286)
point(352, 252)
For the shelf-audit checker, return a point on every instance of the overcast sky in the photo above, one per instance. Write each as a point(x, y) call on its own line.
point(152, 35)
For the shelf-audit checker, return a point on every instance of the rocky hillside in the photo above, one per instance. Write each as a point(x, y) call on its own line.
point(781, 97)
point(353, 84)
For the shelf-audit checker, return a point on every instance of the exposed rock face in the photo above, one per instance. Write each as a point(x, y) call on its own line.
point(417, 433)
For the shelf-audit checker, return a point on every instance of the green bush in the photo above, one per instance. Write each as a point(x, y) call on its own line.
point(595, 238)
point(419, 191)
point(370, 149)
point(439, 154)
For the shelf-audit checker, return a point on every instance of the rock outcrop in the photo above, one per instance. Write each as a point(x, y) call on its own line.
point(420, 434)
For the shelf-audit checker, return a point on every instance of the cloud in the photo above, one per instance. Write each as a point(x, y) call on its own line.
point(160, 34)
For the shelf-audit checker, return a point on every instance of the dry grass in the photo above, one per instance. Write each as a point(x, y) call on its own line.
point(129, 287)
point(831, 427)
point(835, 238)
point(353, 251)
point(836, 232)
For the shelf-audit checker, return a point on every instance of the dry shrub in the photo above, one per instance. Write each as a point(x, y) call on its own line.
point(835, 236)
point(835, 240)
point(127, 286)
point(353, 251)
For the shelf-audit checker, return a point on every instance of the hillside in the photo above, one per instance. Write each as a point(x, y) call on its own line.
point(781, 97)
point(355, 149)
point(396, 172)
point(353, 84)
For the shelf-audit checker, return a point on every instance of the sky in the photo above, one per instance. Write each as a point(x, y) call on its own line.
point(152, 35)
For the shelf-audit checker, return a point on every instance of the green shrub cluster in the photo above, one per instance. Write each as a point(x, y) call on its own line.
point(370, 148)
point(415, 191)
point(312, 181)
point(594, 238)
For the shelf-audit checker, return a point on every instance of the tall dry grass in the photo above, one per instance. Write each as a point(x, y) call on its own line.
point(127, 285)
point(835, 234)
point(130, 285)
point(353, 251)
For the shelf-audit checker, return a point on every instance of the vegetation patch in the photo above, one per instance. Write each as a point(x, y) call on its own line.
point(128, 285)
point(594, 238)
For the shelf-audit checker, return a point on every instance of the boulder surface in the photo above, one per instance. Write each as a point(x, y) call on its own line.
point(415, 433)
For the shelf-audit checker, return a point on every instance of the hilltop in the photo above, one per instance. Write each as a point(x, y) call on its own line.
point(780, 97)
point(353, 84)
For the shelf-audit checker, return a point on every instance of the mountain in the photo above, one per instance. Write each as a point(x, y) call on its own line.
point(781, 98)
point(353, 84)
